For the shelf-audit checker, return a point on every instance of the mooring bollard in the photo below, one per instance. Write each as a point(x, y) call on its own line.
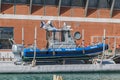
point(57, 77)
point(54, 77)
point(33, 63)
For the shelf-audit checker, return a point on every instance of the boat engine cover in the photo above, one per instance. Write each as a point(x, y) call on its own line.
point(17, 48)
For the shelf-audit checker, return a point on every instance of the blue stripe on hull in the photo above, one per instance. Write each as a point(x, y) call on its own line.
point(65, 52)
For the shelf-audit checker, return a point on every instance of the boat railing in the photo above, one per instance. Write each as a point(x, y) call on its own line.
point(60, 46)
point(63, 45)
point(70, 46)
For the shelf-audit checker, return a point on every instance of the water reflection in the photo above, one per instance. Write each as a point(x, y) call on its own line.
point(66, 76)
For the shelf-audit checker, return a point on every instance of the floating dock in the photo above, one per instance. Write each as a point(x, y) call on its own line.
point(10, 67)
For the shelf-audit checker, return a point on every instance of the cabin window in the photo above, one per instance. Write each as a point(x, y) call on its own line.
point(56, 36)
point(69, 35)
point(48, 35)
point(62, 36)
point(6, 33)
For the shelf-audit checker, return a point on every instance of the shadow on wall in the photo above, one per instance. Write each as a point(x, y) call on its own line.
point(36, 8)
point(63, 10)
point(91, 11)
point(6, 6)
point(115, 12)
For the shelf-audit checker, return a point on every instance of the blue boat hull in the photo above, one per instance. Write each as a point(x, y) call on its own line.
point(64, 52)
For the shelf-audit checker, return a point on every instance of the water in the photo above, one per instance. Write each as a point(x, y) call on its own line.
point(66, 76)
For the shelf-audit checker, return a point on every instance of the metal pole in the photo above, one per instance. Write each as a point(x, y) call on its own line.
point(114, 47)
point(86, 8)
point(22, 36)
point(44, 7)
point(112, 8)
point(82, 37)
point(83, 40)
point(30, 10)
point(35, 38)
point(104, 36)
point(59, 7)
point(0, 6)
point(14, 6)
point(53, 43)
point(109, 42)
point(97, 39)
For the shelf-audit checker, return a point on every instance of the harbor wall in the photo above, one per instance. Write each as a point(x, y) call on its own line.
point(57, 68)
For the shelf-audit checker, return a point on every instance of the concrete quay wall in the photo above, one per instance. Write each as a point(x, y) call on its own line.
point(11, 68)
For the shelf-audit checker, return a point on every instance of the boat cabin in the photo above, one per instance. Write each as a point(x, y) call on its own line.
point(60, 38)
